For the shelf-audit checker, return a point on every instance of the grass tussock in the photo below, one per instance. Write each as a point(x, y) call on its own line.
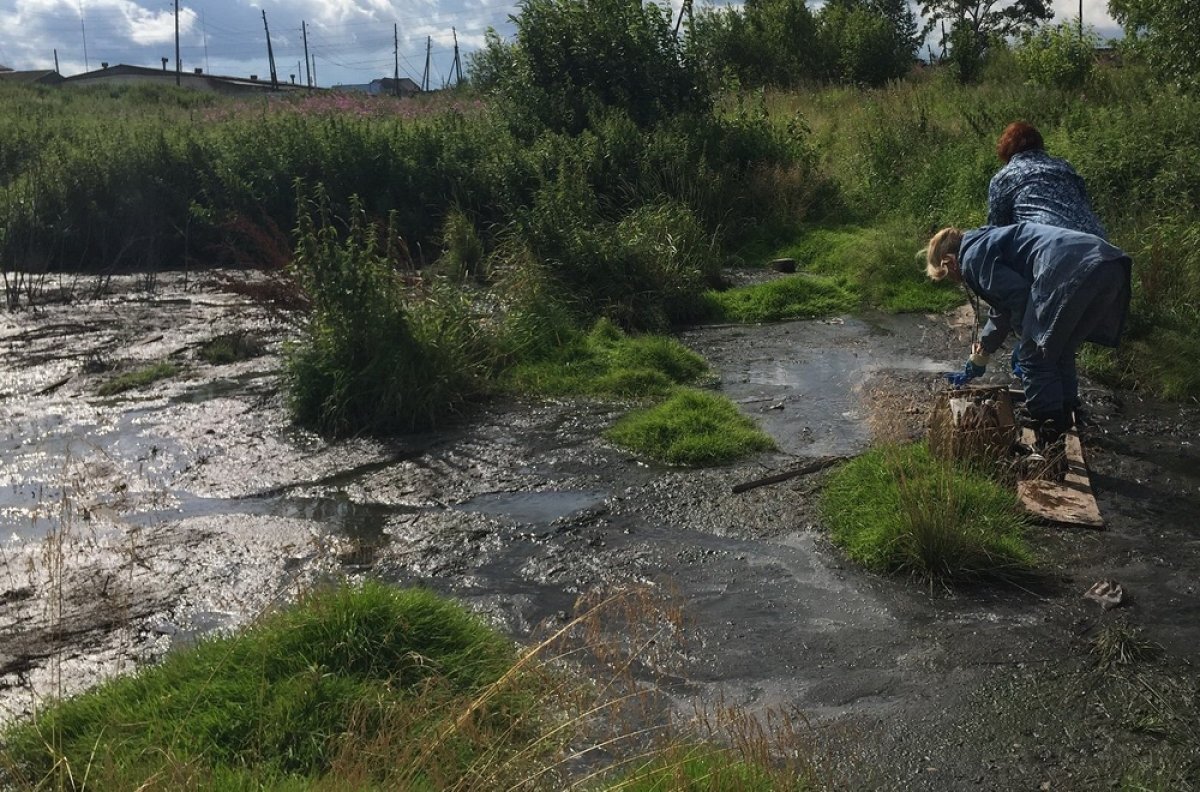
point(692, 428)
point(138, 378)
point(608, 362)
point(897, 509)
point(289, 702)
point(230, 348)
point(1119, 644)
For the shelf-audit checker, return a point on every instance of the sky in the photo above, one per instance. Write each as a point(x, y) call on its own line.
point(351, 40)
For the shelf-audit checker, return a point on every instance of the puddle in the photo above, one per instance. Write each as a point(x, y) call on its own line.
point(217, 388)
point(534, 507)
point(802, 381)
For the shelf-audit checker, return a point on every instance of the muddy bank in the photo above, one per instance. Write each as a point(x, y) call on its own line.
point(192, 505)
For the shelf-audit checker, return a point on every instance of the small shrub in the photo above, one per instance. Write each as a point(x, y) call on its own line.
point(692, 428)
point(139, 378)
point(1058, 57)
point(897, 509)
point(375, 358)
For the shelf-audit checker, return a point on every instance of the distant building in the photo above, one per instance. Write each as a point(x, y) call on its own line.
point(123, 74)
point(385, 86)
point(37, 77)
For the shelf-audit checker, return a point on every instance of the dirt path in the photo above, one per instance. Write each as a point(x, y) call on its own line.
point(192, 505)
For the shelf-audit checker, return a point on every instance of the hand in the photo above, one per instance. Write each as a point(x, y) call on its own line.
point(971, 370)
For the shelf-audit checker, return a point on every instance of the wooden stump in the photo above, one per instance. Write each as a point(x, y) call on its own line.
point(973, 424)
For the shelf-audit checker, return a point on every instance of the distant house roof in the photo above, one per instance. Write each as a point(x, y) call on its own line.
point(39, 76)
point(195, 79)
point(387, 85)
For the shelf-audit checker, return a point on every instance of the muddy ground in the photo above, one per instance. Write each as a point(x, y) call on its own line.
point(136, 522)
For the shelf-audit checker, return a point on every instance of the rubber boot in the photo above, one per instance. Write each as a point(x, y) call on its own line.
point(1049, 457)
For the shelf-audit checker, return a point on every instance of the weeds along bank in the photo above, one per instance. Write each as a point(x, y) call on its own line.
point(96, 179)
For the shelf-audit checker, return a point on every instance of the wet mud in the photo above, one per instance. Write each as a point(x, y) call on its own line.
point(135, 523)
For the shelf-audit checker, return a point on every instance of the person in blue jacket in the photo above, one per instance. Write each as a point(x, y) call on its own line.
point(1054, 287)
point(1034, 187)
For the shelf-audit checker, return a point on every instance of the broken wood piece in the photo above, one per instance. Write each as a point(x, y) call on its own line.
point(1070, 501)
point(53, 386)
point(810, 467)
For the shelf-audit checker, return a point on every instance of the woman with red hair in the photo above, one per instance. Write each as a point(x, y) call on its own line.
point(1034, 187)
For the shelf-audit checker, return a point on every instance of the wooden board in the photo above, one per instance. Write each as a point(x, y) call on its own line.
point(1068, 501)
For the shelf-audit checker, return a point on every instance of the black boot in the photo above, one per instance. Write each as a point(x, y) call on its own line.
point(1078, 414)
point(1049, 457)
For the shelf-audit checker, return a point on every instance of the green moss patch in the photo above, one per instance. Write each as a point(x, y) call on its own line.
point(897, 509)
point(692, 428)
point(138, 378)
point(370, 668)
point(607, 362)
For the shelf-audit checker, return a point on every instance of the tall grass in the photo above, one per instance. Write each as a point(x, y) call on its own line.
point(376, 356)
point(897, 509)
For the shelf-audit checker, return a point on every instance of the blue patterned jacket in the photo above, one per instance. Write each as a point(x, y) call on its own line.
point(1029, 274)
point(1037, 188)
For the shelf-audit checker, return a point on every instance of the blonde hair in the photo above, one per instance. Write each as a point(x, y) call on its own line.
point(943, 245)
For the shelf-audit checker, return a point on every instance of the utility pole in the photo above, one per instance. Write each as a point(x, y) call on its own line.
point(56, 71)
point(270, 53)
point(307, 73)
point(1081, 20)
point(457, 65)
point(204, 32)
point(178, 66)
point(396, 57)
point(314, 70)
point(83, 30)
point(425, 76)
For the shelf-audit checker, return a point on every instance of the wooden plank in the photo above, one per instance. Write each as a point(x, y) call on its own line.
point(1071, 500)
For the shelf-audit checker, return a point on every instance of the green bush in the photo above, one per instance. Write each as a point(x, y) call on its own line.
point(374, 357)
point(1058, 57)
point(1165, 33)
point(571, 59)
point(897, 509)
point(692, 428)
